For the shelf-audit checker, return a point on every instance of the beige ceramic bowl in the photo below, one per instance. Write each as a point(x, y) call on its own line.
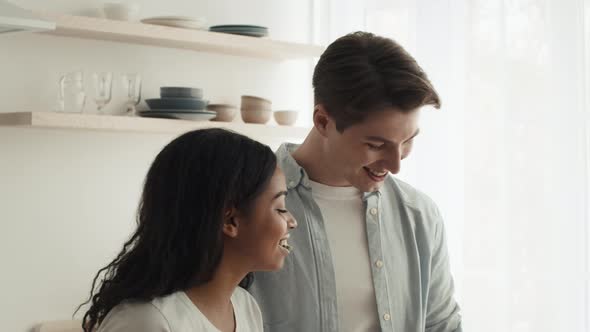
point(225, 112)
point(285, 118)
point(255, 103)
point(256, 116)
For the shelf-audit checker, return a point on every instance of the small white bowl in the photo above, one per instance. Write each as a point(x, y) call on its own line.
point(256, 116)
point(225, 113)
point(121, 11)
point(286, 118)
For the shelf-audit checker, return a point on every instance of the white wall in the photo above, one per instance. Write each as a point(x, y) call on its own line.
point(68, 198)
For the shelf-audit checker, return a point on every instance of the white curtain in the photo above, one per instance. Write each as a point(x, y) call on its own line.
point(507, 156)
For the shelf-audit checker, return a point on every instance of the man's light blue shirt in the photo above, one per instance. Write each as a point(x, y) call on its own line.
point(407, 248)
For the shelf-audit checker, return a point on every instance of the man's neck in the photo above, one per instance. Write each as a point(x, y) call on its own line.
point(311, 157)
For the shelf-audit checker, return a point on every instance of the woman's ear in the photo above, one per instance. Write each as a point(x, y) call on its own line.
point(321, 119)
point(230, 223)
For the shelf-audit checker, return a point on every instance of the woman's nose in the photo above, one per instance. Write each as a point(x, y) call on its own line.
point(291, 223)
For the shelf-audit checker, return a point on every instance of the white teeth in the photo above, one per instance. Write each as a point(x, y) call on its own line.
point(379, 174)
point(285, 245)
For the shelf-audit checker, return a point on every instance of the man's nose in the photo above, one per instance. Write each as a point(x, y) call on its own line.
point(394, 160)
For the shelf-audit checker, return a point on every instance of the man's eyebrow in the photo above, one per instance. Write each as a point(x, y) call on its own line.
point(415, 134)
point(378, 139)
point(383, 140)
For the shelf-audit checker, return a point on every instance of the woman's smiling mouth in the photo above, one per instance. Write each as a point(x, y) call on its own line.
point(284, 244)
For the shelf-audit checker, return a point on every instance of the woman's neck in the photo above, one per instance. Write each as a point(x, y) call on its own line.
point(214, 297)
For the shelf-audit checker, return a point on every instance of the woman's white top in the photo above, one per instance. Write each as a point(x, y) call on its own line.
point(176, 312)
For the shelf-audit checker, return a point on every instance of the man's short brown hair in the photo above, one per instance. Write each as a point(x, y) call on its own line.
point(361, 73)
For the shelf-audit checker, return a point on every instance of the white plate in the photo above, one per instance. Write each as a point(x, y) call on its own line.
point(195, 25)
point(176, 18)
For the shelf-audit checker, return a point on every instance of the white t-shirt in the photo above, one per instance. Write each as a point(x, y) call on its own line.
point(176, 313)
point(343, 214)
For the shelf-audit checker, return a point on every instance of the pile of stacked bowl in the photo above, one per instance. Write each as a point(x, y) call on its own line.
point(179, 103)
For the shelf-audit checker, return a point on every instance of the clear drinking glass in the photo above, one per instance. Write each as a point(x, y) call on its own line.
point(72, 96)
point(103, 84)
point(132, 86)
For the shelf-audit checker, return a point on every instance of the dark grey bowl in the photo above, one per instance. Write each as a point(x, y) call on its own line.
point(180, 92)
point(177, 103)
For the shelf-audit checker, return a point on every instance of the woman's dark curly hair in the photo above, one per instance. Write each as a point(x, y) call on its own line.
point(178, 242)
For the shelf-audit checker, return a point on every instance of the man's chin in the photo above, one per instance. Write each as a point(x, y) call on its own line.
point(369, 187)
point(375, 187)
point(365, 184)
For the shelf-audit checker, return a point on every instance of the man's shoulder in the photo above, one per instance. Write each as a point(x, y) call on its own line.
point(422, 213)
point(409, 196)
point(284, 151)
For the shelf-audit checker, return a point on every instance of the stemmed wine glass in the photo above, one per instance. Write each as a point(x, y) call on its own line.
point(132, 85)
point(103, 83)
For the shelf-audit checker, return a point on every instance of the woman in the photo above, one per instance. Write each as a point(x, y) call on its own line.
point(212, 211)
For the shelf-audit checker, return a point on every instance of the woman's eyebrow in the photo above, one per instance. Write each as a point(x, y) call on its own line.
point(282, 193)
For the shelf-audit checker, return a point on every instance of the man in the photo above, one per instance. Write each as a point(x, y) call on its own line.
point(369, 253)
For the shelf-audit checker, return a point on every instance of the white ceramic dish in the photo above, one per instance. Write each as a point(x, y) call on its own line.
point(195, 24)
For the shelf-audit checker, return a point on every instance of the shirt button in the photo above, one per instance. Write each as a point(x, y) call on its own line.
point(373, 211)
point(292, 184)
point(379, 263)
point(386, 317)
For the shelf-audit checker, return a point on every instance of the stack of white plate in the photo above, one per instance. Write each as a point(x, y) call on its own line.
point(178, 22)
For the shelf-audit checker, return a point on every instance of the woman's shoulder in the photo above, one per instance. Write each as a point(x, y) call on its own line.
point(247, 311)
point(170, 312)
point(243, 297)
point(132, 316)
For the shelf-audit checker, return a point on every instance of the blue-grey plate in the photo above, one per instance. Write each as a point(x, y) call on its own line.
point(177, 103)
point(164, 110)
point(230, 26)
point(180, 92)
point(245, 33)
point(245, 30)
point(240, 29)
point(192, 116)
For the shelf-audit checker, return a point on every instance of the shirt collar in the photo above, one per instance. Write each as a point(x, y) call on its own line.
point(295, 174)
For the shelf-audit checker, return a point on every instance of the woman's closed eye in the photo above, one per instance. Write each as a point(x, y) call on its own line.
point(282, 211)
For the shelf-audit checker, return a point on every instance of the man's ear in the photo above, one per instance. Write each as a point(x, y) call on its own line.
point(321, 119)
point(230, 223)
